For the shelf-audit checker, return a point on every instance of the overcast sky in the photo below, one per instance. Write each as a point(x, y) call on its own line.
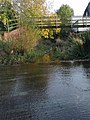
point(77, 5)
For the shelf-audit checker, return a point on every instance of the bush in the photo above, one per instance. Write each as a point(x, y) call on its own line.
point(73, 48)
point(15, 50)
point(85, 36)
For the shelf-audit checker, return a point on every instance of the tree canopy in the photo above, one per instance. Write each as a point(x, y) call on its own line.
point(30, 8)
point(65, 12)
point(6, 10)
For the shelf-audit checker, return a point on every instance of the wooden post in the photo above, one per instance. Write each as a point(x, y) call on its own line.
point(56, 22)
point(41, 21)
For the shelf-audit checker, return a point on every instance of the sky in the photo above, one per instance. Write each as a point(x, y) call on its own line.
point(77, 5)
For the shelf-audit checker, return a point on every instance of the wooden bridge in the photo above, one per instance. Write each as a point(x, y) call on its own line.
point(75, 22)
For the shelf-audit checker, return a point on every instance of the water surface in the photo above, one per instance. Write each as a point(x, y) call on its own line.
point(45, 92)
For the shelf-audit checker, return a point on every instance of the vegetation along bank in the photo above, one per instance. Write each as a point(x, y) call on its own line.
point(26, 43)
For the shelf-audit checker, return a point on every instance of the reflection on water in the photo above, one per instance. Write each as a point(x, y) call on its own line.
point(45, 92)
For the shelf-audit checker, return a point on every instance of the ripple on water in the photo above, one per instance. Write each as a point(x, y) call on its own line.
point(45, 92)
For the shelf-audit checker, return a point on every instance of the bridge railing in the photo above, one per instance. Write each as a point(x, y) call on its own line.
point(56, 22)
point(12, 24)
point(75, 22)
point(47, 22)
point(80, 23)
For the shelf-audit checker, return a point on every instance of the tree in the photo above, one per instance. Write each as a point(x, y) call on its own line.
point(27, 11)
point(7, 14)
point(6, 10)
point(30, 7)
point(65, 13)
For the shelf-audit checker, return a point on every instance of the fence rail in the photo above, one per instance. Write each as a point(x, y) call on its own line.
point(55, 22)
point(51, 22)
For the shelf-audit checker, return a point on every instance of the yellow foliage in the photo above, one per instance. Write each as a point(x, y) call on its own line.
point(49, 33)
point(79, 41)
point(45, 33)
point(58, 30)
point(51, 21)
point(44, 59)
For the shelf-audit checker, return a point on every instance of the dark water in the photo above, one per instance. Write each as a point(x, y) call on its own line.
point(45, 92)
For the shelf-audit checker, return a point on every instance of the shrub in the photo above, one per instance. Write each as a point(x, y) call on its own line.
point(85, 36)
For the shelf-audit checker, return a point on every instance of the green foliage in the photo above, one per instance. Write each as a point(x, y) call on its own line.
point(65, 13)
point(38, 52)
point(8, 15)
point(4, 48)
point(15, 50)
point(72, 48)
point(23, 46)
point(29, 48)
point(29, 8)
point(75, 47)
point(6, 11)
point(85, 36)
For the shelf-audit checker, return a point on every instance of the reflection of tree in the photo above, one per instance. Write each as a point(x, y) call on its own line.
point(24, 87)
point(37, 77)
point(7, 79)
point(28, 78)
point(33, 82)
point(86, 66)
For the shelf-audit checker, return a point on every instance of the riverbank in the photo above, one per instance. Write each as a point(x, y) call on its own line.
point(73, 48)
point(56, 62)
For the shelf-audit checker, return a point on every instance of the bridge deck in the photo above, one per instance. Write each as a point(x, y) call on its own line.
point(64, 26)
